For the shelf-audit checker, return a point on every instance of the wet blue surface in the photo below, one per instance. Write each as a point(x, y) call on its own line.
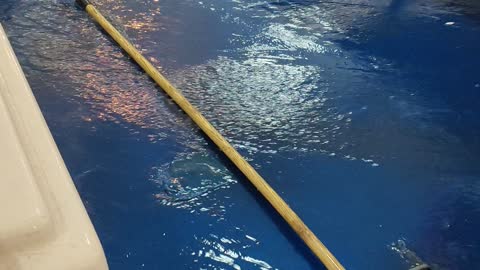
point(363, 114)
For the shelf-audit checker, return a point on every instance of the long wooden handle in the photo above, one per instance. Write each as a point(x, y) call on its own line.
point(262, 186)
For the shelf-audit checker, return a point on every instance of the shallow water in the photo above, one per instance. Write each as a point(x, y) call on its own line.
point(362, 114)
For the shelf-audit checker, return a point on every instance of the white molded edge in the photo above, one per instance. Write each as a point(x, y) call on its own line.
point(43, 223)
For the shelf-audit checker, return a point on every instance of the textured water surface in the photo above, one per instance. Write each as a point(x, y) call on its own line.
point(362, 114)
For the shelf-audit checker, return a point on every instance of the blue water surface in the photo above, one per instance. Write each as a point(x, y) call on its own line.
point(362, 114)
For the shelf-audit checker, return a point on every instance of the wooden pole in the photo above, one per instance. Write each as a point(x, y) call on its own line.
point(315, 245)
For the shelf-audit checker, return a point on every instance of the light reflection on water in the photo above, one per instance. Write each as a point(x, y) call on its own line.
point(140, 17)
point(256, 103)
point(227, 252)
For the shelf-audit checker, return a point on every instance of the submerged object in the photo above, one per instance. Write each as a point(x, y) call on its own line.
point(421, 267)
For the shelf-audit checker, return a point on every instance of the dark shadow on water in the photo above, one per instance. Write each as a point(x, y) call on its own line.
point(6, 8)
point(396, 5)
point(279, 222)
point(471, 8)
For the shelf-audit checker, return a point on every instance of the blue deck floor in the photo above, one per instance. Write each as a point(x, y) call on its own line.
point(364, 115)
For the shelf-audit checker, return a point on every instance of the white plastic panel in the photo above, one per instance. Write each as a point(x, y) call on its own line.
point(43, 223)
point(24, 213)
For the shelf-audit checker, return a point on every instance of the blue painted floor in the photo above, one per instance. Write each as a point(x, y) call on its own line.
point(363, 114)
